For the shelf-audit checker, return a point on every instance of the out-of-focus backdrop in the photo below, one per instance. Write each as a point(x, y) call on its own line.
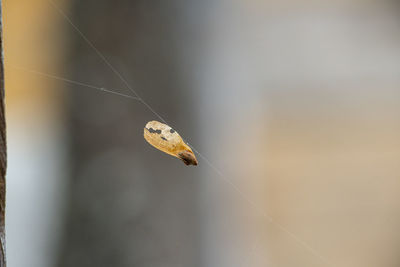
point(294, 106)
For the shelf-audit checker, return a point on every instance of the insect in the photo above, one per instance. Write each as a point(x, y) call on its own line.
point(166, 139)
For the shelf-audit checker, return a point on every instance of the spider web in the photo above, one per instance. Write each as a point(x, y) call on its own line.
point(135, 97)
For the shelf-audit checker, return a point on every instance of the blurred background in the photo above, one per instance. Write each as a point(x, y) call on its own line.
point(293, 104)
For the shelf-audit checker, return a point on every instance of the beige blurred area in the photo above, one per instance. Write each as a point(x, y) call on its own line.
point(335, 173)
point(34, 40)
point(296, 105)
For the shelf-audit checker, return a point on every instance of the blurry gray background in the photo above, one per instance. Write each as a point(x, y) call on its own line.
point(295, 103)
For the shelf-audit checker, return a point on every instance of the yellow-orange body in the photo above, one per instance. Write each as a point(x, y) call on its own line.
point(166, 139)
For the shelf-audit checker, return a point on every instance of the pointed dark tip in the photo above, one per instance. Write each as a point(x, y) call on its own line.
point(188, 158)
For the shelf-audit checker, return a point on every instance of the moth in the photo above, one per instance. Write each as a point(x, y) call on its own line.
point(166, 139)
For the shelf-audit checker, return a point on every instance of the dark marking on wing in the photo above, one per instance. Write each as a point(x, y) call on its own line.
point(172, 131)
point(163, 138)
point(151, 130)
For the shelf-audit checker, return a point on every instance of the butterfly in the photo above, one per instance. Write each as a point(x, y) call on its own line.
point(166, 139)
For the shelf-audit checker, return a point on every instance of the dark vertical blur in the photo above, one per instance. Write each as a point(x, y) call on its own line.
point(129, 205)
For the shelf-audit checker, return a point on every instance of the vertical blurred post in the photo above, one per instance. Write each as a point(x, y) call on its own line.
point(3, 150)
